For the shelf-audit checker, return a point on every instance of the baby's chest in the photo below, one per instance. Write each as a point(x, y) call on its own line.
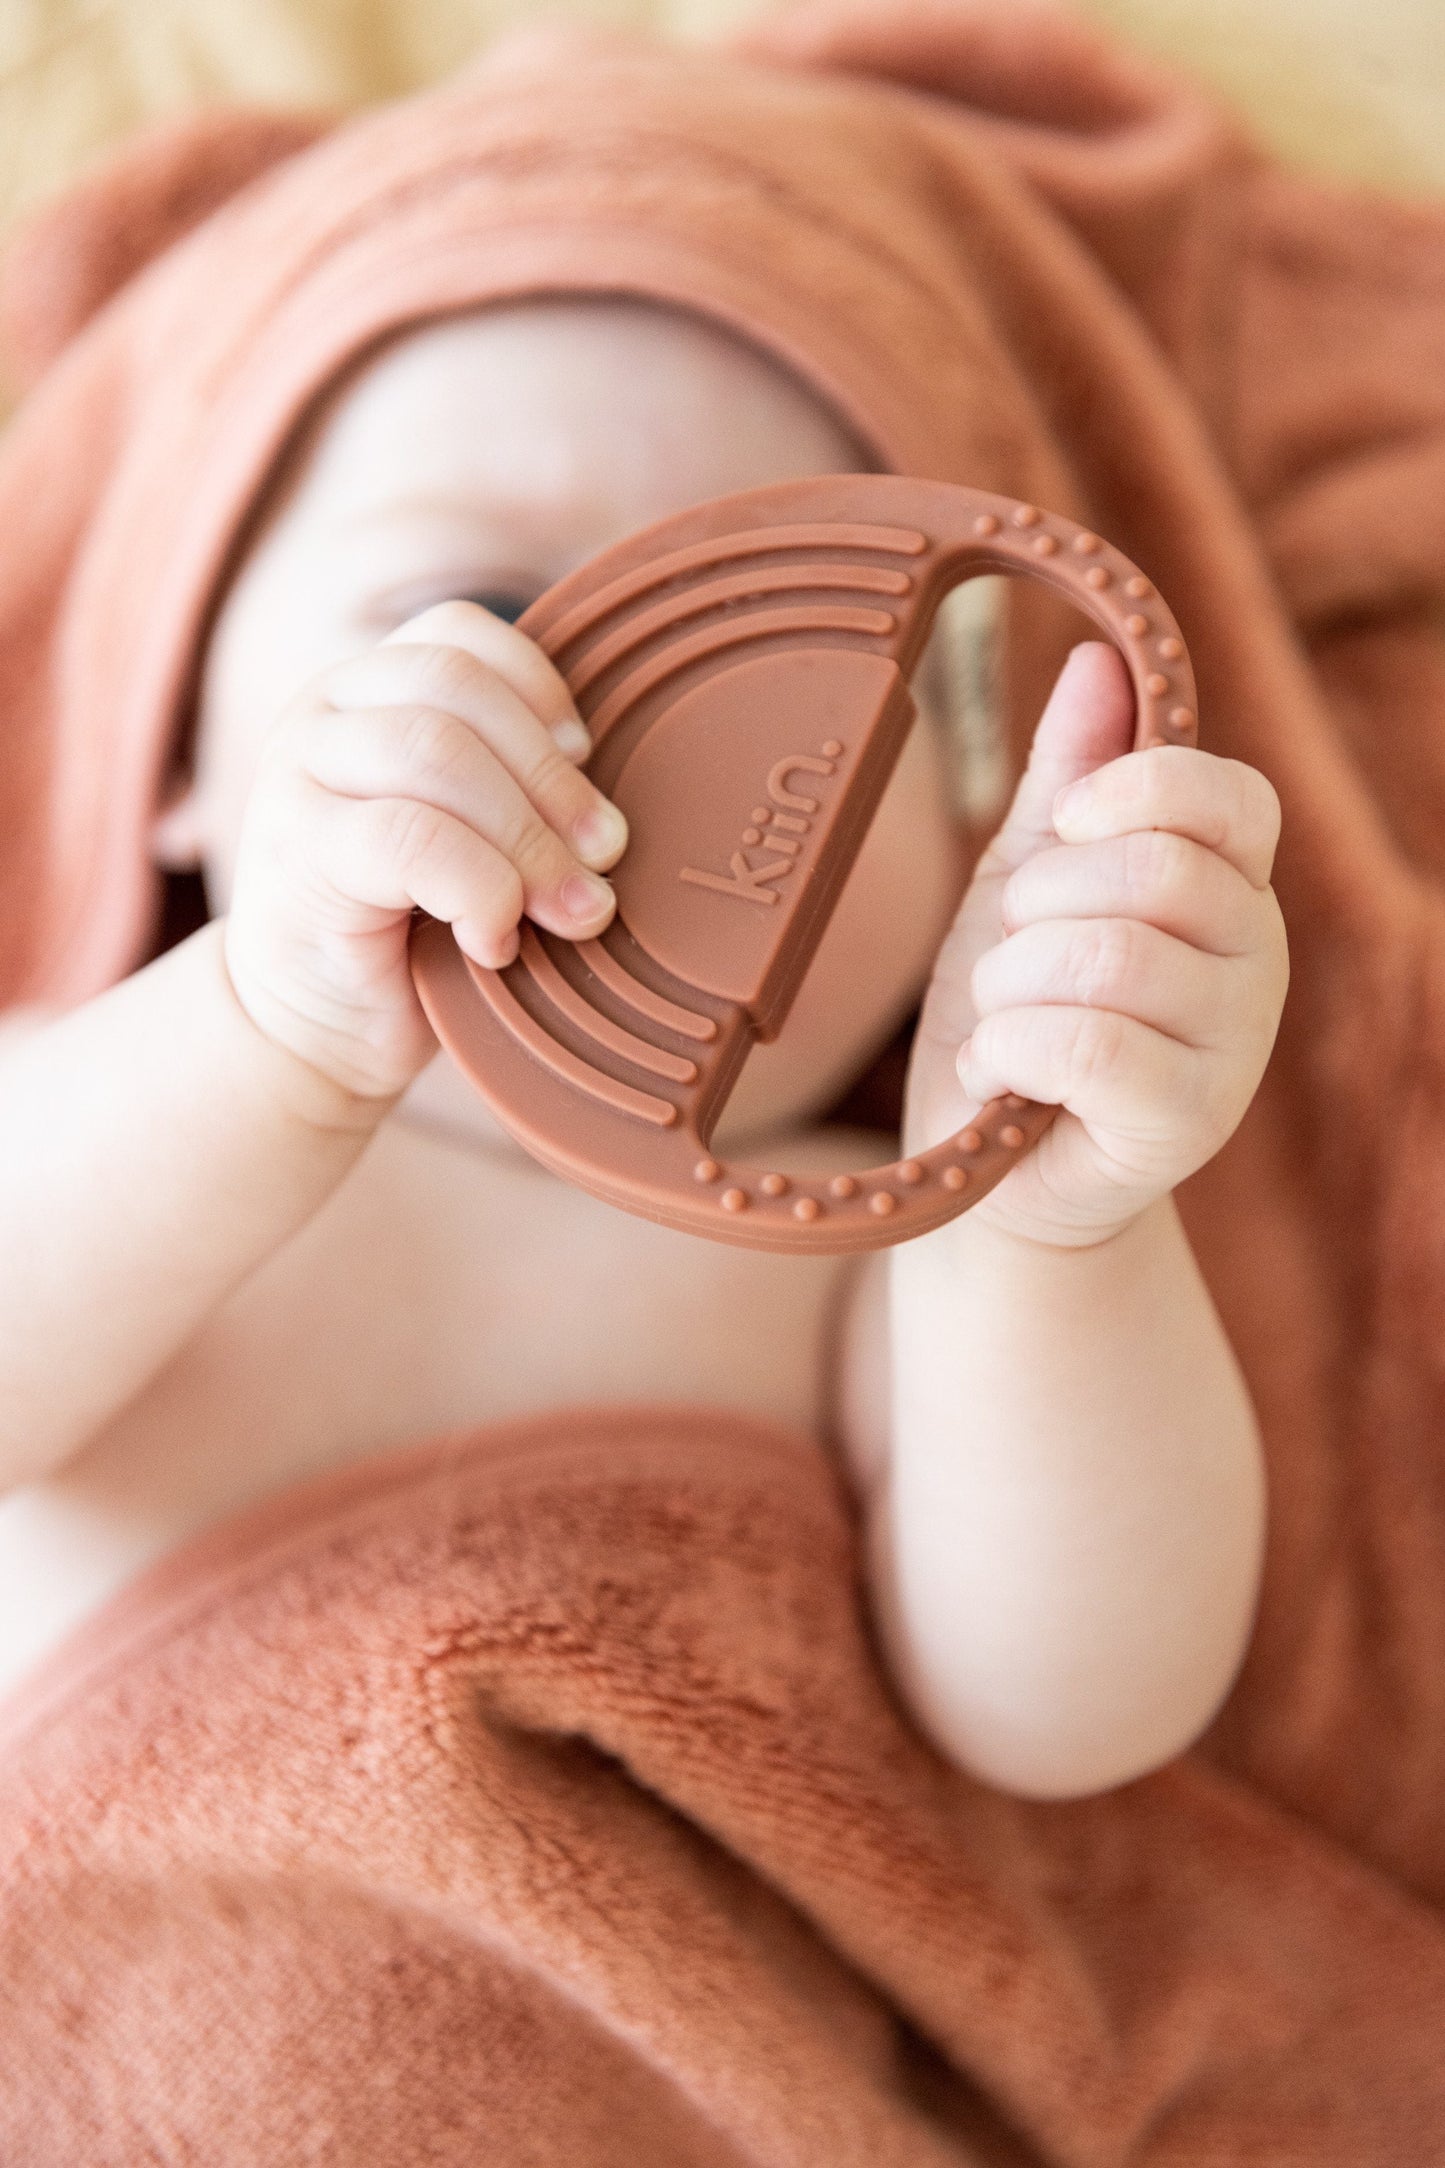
point(524, 1292)
point(436, 1292)
point(572, 1300)
point(432, 1294)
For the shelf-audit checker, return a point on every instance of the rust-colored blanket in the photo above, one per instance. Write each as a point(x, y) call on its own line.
point(537, 1798)
point(541, 1800)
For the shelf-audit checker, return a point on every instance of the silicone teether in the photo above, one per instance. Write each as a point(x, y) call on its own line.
point(743, 669)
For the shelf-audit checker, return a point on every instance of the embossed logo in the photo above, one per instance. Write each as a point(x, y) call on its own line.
point(779, 826)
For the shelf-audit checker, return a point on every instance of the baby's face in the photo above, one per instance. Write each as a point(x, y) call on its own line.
point(485, 456)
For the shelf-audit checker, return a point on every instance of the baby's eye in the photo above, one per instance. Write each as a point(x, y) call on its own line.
point(500, 601)
point(384, 612)
point(381, 614)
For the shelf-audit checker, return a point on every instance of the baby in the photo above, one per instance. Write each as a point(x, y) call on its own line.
point(258, 1225)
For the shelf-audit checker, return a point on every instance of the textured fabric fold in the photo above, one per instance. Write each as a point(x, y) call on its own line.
point(537, 1796)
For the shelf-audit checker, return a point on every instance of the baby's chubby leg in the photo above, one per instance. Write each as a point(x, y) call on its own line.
point(158, 1142)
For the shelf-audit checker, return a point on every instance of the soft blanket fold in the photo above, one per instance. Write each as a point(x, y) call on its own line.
point(537, 1797)
point(549, 1805)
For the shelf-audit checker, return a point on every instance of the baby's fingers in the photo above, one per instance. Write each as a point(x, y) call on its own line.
point(533, 677)
point(454, 682)
point(430, 760)
point(1171, 881)
point(1124, 964)
point(388, 854)
point(1224, 804)
point(1120, 1077)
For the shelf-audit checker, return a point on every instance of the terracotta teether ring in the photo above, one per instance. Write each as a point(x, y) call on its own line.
point(743, 669)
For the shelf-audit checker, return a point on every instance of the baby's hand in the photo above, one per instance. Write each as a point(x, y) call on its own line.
point(436, 770)
point(1120, 954)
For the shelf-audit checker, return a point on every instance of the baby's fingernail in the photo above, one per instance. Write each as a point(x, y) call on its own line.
point(600, 832)
point(584, 895)
point(572, 737)
point(1068, 802)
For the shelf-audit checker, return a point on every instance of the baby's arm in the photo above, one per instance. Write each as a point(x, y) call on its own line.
point(1065, 1523)
point(163, 1139)
point(1067, 1544)
point(156, 1147)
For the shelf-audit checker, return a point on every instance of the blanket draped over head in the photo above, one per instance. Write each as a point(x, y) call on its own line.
point(538, 1796)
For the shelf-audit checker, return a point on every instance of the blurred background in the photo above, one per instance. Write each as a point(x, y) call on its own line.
point(1351, 87)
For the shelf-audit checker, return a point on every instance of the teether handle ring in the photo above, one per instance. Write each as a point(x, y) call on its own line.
point(859, 564)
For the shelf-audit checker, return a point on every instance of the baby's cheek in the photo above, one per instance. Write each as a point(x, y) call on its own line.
point(896, 907)
point(279, 625)
point(228, 758)
point(911, 873)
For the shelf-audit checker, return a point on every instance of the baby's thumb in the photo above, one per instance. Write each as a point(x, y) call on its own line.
point(1088, 720)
